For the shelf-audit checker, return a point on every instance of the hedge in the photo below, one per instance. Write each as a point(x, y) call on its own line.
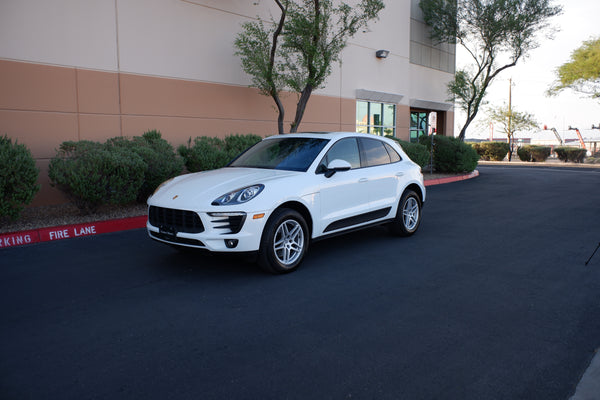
point(159, 156)
point(451, 154)
point(571, 154)
point(418, 153)
point(92, 174)
point(18, 178)
point(491, 151)
point(211, 152)
point(534, 153)
point(119, 171)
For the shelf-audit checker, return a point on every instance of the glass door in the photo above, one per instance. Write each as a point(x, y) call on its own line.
point(418, 125)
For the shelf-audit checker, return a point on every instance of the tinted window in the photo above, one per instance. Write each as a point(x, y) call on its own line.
point(293, 154)
point(394, 156)
point(345, 149)
point(374, 152)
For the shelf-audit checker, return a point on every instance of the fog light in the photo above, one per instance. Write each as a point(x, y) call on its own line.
point(231, 243)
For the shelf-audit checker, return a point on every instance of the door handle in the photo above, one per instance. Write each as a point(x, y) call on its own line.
point(399, 173)
point(363, 180)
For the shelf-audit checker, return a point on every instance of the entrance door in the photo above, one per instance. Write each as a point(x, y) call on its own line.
point(419, 125)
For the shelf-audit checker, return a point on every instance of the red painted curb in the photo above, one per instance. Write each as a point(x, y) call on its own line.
point(70, 231)
point(51, 234)
point(440, 181)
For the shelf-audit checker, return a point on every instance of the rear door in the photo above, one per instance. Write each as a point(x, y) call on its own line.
point(383, 170)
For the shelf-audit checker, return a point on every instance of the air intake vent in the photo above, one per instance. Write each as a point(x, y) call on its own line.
point(227, 222)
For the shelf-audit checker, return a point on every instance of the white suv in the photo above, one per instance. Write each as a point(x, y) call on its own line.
point(287, 190)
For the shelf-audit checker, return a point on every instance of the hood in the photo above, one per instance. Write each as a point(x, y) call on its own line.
point(199, 190)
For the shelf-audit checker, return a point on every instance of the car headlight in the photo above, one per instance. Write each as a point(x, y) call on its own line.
point(239, 196)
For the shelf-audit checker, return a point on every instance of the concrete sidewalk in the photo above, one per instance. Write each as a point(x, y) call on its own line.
point(550, 163)
point(589, 385)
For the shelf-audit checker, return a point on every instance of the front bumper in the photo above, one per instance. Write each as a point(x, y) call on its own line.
point(214, 231)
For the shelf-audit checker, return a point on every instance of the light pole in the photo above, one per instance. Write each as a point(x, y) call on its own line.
point(509, 127)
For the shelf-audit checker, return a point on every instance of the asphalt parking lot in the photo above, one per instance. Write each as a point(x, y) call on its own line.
point(491, 299)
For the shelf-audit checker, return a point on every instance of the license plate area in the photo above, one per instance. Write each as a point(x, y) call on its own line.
point(167, 231)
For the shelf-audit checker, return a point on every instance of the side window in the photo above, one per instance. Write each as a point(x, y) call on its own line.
point(345, 149)
point(374, 152)
point(394, 156)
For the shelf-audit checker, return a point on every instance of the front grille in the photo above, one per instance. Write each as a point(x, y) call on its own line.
point(227, 222)
point(175, 220)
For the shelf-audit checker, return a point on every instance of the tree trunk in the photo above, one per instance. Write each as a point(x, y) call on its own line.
point(463, 131)
point(281, 115)
point(274, 92)
point(300, 107)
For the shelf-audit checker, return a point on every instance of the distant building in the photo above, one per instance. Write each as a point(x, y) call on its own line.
point(589, 137)
point(75, 70)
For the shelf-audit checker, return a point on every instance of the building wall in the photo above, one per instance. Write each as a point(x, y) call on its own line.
point(423, 51)
point(74, 70)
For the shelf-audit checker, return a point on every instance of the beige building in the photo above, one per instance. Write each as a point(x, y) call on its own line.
point(95, 69)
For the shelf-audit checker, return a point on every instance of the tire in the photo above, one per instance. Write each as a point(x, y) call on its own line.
point(284, 242)
point(408, 216)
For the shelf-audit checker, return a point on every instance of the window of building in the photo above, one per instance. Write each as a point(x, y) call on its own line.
point(422, 123)
point(376, 118)
point(418, 125)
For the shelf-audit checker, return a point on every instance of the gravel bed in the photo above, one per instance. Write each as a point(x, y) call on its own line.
point(66, 214)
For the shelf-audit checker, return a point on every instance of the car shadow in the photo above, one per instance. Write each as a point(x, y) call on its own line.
point(202, 264)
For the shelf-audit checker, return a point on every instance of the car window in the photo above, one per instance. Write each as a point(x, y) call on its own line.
point(394, 156)
point(293, 154)
point(374, 152)
point(345, 149)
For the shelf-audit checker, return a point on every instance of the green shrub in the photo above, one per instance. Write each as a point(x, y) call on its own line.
point(451, 154)
point(418, 153)
point(211, 152)
point(491, 151)
point(524, 153)
point(540, 153)
point(159, 156)
point(571, 154)
point(235, 144)
point(18, 178)
point(477, 147)
point(206, 153)
point(93, 174)
point(534, 153)
point(592, 160)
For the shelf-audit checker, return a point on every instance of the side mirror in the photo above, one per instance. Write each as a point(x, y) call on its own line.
point(337, 166)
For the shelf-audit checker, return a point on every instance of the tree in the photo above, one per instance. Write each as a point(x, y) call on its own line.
point(512, 121)
point(582, 72)
point(296, 52)
point(495, 33)
point(261, 56)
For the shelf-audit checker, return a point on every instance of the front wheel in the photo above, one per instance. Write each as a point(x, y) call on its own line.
point(408, 216)
point(284, 242)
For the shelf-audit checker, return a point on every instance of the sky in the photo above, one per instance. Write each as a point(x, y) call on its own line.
point(534, 75)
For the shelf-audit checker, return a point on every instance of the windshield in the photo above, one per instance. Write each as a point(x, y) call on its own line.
point(292, 154)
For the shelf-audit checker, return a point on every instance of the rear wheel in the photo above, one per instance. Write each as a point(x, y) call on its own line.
point(408, 216)
point(284, 242)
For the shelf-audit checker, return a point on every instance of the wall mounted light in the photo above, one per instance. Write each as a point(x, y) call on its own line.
point(382, 53)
